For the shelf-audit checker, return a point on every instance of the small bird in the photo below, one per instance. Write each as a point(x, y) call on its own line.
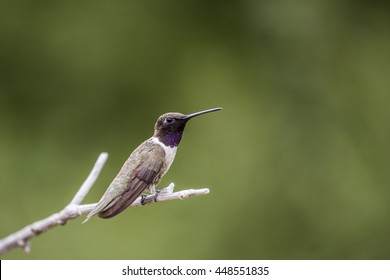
point(146, 165)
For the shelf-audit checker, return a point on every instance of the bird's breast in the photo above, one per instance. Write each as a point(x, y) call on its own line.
point(170, 153)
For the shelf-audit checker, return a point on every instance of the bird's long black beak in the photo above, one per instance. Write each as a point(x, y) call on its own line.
point(201, 113)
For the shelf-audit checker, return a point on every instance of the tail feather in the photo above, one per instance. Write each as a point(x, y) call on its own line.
point(103, 204)
point(120, 204)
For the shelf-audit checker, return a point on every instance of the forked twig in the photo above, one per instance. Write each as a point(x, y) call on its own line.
point(75, 209)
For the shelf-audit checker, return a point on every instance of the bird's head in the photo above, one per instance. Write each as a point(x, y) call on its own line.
point(170, 126)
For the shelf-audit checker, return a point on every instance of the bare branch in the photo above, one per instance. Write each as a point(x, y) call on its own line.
point(74, 209)
point(88, 183)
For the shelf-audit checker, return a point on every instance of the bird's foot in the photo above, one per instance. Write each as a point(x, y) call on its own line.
point(156, 195)
point(145, 199)
point(143, 196)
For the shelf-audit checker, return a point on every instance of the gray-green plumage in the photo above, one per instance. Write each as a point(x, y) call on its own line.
point(141, 171)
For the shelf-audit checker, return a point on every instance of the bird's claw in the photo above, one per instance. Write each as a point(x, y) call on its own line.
point(154, 198)
point(156, 195)
point(143, 199)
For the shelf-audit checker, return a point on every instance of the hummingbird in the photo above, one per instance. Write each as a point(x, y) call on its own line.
point(146, 165)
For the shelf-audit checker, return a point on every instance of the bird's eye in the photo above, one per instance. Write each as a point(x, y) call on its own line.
point(169, 120)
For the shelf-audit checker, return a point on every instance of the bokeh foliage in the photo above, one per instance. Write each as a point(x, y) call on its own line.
point(297, 162)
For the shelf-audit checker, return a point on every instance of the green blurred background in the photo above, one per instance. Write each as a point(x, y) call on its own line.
point(297, 162)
